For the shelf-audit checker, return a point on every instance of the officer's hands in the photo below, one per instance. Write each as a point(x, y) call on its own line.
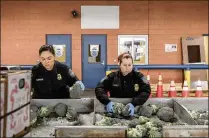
point(109, 107)
point(81, 84)
point(77, 89)
point(131, 109)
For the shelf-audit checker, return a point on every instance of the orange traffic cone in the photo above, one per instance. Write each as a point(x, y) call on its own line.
point(172, 90)
point(148, 79)
point(159, 92)
point(199, 92)
point(185, 90)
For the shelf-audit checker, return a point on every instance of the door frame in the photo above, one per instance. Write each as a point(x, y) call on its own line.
point(70, 48)
point(82, 52)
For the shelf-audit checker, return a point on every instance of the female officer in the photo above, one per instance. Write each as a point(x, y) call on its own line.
point(124, 83)
point(50, 78)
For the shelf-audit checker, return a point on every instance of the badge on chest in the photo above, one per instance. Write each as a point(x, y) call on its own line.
point(59, 77)
point(136, 87)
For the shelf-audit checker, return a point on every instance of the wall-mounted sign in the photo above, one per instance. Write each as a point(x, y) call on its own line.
point(94, 53)
point(137, 45)
point(170, 47)
point(60, 52)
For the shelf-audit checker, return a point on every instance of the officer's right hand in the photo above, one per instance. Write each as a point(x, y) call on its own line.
point(109, 107)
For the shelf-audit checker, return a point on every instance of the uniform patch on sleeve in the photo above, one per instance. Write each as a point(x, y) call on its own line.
point(144, 79)
point(71, 73)
point(103, 79)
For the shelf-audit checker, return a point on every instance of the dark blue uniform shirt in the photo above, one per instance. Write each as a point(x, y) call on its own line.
point(52, 84)
point(134, 85)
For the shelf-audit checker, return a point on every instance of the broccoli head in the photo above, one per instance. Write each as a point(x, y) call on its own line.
point(60, 109)
point(154, 134)
point(141, 128)
point(143, 119)
point(149, 125)
point(125, 111)
point(133, 132)
point(145, 111)
point(133, 123)
point(166, 114)
point(155, 108)
point(71, 114)
point(44, 111)
point(118, 108)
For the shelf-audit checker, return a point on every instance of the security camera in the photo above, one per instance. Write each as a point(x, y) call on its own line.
point(74, 13)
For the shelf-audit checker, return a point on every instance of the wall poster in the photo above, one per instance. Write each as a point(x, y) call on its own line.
point(94, 53)
point(60, 52)
point(137, 45)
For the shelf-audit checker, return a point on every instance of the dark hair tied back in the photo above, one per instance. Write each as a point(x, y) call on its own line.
point(46, 48)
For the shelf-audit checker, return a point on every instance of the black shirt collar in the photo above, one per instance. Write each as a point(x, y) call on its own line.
point(53, 70)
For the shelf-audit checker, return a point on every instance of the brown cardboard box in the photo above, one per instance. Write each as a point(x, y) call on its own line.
point(196, 75)
point(193, 50)
point(17, 89)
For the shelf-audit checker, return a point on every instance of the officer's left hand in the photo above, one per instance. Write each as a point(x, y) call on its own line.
point(81, 84)
point(131, 109)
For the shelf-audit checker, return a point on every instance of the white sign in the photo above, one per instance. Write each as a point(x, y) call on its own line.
point(100, 17)
point(170, 47)
point(94, 50)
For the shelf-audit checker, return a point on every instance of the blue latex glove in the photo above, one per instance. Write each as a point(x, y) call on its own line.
point(81, 84)
point(131, 109)
point(109, 107)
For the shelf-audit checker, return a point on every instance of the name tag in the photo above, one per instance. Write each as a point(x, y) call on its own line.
point(40, 79)
point(115, 85)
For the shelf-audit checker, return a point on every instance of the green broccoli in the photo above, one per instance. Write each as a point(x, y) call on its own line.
point(149, 125)
point(71, 114)
point(143, 119)
point(44, 111)
point(145, 111)
point(133, 132)
point(118, 108)
point(154, 134)
point(155, 108)
point(166, 114)
point(60, 109)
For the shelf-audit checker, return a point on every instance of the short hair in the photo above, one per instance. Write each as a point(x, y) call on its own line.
point(124, 55)
point(46, 48)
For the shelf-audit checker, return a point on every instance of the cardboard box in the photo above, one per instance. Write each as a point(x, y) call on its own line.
point(193, 50)
point(15, 92)
point(18, 89)
point(16, 122)
point(2, 101)
point(2, 96)
point(196, 75)
point(2, 127)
